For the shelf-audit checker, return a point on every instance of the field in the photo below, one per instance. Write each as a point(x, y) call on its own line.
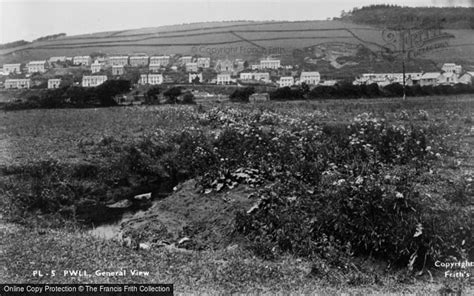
point(252, 41)
point(236, 190)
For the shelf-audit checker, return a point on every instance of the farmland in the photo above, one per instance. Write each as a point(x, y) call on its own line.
point(252, 40)
point(232, 170)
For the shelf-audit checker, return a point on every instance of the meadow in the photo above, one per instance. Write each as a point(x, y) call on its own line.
point(359, 196)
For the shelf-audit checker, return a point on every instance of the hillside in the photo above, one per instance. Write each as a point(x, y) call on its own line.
point(336, 48)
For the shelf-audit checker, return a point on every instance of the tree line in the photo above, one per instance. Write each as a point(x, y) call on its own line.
point(398, 17)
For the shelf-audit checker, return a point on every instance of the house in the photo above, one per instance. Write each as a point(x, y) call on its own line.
point(153, 79)
point(139, 61)
point(448, 78)
point(82, 60)
point(160, 60)
point(467, 78)
point(118, 60)
point(254, 67)
point(36, 66)
point(54, 83)
point(259, 76)
point(224, 66)
point(11, 68)
point(203, 62)
point(239, 65)
point(429, 78)
point(17, 83)
point(310, 78)
point(57, 59)
point(223, 78)
point(191, 67)
point(94, 80)
point(96, 67)
point(328, 82)
point(154, 67)
point(117, 70)
point(193, 76)
point(286, 81)
point(259, 97)
point(186, 59)
point(269, 64)
point(451, 68)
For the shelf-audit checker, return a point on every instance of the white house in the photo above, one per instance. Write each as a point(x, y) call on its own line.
point(223, 78)
point(286, 81)
point(118, 60)
point(94, 80)
point(269, 64)
point(224, 66)
point(11, 68)
point(137, 61)
point(203, 62)
point(82, 60)
point(54, 83)
point(96, 67)
point(259, 76)
point(191, 67)
point(57, 59)
point(430, 78)
point(186, 59)
point(153, 79)
point(36, 66)
point(160, 60)
point(448, 78)
point(118, 70)
point(154, 67)
point(467, 78)
point(451, 68)
point(17, 83)
point(310, 78)
point(193, 76)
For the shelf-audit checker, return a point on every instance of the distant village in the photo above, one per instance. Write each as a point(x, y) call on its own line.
point(156, 70)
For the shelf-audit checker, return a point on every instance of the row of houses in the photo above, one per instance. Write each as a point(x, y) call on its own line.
point(155, 63)
point(450, 74)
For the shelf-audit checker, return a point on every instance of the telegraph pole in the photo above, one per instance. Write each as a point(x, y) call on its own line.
point(403, 64)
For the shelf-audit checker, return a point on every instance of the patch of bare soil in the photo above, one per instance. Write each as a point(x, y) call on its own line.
point(190, 219)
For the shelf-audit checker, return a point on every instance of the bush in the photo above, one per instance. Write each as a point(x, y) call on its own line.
point(188, 98)
point(242, 95)
point(286, 93)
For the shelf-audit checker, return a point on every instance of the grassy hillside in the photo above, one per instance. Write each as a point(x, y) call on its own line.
point(336, 47)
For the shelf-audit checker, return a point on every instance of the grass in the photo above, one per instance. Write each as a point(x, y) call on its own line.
point(71, 136)
point(184, 39)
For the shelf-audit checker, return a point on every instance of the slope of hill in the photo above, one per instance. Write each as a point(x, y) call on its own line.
point(335, 47)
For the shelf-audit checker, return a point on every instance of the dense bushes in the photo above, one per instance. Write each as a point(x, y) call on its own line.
point(336, 190)
point(242, 95)
point(74, 97)
point(286, 93)
point(350, 91)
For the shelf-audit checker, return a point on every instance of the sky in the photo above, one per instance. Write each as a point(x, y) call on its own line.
point(31, 19)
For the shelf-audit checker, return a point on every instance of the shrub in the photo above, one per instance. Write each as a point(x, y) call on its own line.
point(242, 95)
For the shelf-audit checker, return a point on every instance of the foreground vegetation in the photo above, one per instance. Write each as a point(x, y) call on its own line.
point(332, 183)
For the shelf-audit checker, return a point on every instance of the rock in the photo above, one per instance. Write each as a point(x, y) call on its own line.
point(183, 240)
point(145, 196)
point(122, 204)
point(232, 248)
point(144, 246)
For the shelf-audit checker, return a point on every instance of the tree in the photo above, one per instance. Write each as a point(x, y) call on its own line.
point(172, 94)
point(188, 98)
point(152, 94)
point(242, 95)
